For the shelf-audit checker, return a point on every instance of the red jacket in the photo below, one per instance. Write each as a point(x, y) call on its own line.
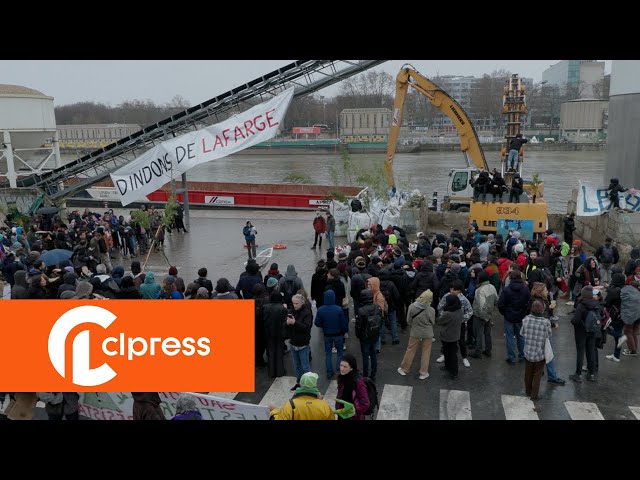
point(503, 267)
point(319, 224)
point(360, 398)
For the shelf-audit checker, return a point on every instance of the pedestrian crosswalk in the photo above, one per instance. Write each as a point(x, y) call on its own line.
point(396, 403)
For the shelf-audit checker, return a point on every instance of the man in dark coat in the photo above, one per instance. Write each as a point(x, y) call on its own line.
point(585, 341)
point(569, 228)
point(513, 305)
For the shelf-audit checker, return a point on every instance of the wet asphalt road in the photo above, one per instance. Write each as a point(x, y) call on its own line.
point(215, 241)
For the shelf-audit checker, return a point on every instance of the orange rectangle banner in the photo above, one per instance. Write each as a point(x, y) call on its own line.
point(127, 345)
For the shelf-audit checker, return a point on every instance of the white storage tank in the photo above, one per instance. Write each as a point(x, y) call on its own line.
point(27, 122)
point(27, 114)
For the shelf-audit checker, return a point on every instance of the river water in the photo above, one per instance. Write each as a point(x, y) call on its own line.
point(427, 171)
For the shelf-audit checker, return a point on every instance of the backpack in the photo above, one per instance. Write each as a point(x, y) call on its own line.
point(607, 254)
point(592, 322)
point(372, 393)
point(289, 290)
point(373, 325)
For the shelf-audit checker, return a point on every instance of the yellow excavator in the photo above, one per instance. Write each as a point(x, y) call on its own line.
point(529, 214)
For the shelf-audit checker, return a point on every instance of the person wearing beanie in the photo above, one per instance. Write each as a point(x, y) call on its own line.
point(273, 272)
point(421, 318)
point(306, 404)
point(168, 290)
point(536, 329)
point(179, 281)
point(585, 341)
point(485, 302)
point(331, 262)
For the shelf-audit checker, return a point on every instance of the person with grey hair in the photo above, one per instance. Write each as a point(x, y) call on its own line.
point(186, 408)
point(298, 326)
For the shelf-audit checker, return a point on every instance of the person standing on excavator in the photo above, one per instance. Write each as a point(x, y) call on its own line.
point(513, 159)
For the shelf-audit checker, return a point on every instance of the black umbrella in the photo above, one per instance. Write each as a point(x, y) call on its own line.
point(47, 210)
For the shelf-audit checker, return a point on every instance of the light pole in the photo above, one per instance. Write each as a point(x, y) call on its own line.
point(324, 117)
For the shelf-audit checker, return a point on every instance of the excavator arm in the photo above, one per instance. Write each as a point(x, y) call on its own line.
point(469, 141)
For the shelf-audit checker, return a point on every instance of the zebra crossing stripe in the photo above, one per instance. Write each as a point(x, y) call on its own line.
point(455, 405)
point(227, 395)
point(395, 403)
point(279, 391)
point(635, 411)
point(518, 408)
point(583, 411)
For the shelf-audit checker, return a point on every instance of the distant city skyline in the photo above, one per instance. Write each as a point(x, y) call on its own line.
point(115, 81)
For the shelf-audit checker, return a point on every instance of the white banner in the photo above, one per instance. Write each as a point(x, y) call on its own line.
point(161, 164)
point(119, 406)
point(595, 200)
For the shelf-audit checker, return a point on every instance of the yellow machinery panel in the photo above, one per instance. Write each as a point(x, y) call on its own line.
point(487, 214)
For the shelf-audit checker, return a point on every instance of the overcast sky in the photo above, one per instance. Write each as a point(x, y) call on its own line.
point(113, 81)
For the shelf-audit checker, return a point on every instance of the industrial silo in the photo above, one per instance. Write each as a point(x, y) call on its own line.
point(27, 132)
point(623, 140)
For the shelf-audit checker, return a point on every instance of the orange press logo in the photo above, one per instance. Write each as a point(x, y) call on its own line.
point(128, 345)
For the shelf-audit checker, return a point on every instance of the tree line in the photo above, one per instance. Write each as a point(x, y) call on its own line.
point(371, 89)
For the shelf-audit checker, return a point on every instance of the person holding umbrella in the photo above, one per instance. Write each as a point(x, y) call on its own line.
point(55, 256)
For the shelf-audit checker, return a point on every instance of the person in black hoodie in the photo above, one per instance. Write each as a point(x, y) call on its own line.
point(585, 342)
point(20, 289)
point(273, 272)
point(318, 282)
point(517, 187)
point(569, 228)
point(275, 316)
point(425, 279)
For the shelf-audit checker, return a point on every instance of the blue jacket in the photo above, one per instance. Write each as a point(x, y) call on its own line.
point(330, 317)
